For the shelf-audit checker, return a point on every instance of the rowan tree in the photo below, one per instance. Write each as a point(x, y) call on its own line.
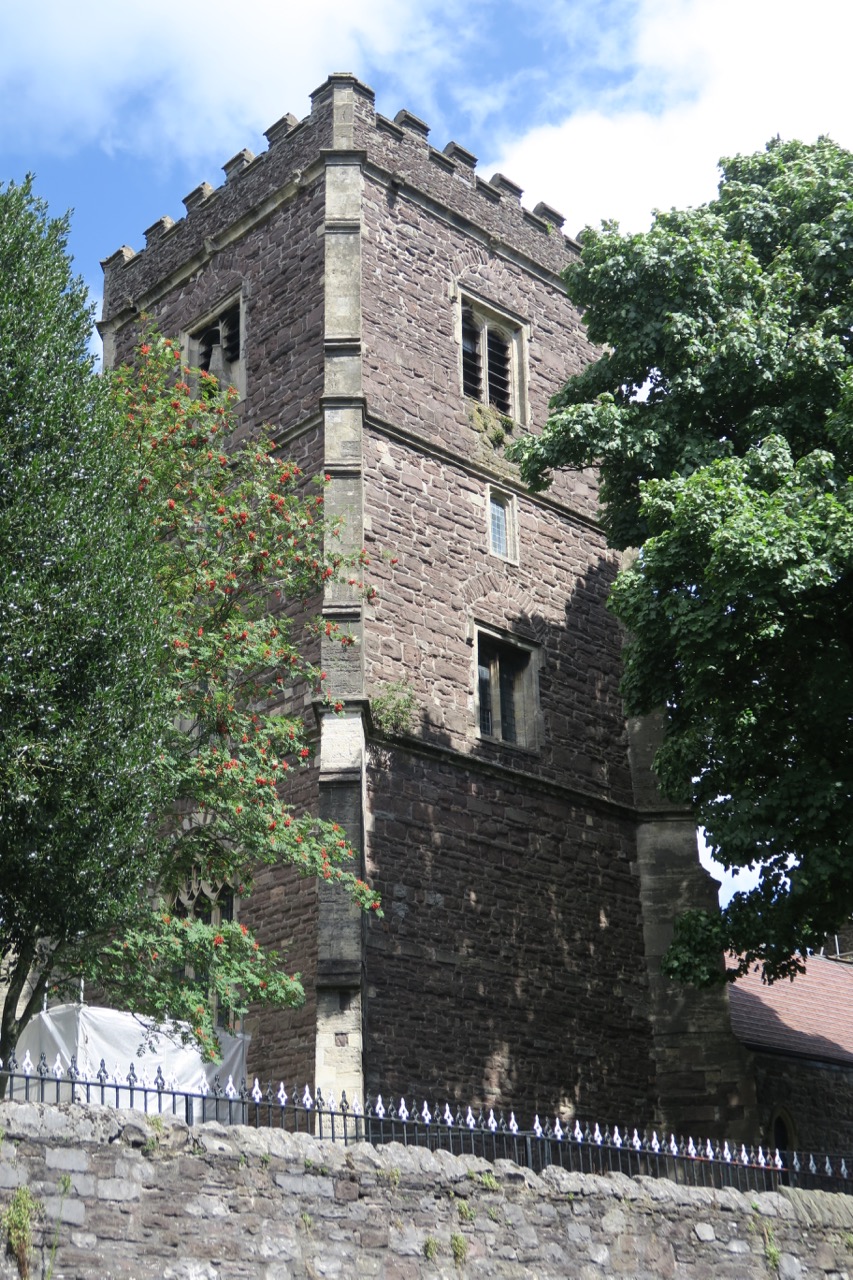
point(720, 416)
point(241, 538)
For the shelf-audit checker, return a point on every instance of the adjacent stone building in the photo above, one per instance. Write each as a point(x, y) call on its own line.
point(396, 319)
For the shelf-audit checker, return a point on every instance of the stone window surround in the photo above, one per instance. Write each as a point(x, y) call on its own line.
point(236, 373)
point(496, 497)
point(526, 656)
point(198, 899)
point(513, 328)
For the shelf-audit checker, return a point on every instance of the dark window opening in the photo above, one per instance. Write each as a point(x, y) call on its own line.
point(217, 346)
point(499, 372)
point(472, 376)
point(484, 674)
point(206, 343)
point(501, 674)
point(783, 1141)
point(508, 676)
point(780, 1134)
point(230, 334)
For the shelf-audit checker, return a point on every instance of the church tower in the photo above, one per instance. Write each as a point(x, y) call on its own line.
point(398, 319)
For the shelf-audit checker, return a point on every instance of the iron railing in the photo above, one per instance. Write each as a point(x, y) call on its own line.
point(480, 1132)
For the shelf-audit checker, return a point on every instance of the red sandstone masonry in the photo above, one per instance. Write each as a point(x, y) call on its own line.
point(411, 260)
point(507, 964)
point(283, 314)
point(281, 166)
point(412, 161)
point(282, 913)
point(433, 515)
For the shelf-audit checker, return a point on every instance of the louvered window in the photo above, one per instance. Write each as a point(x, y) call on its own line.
point(472, 372)
point(492, 359)
point(216, 347)
point(208, 343)
point(499, 371)
point(229, 334)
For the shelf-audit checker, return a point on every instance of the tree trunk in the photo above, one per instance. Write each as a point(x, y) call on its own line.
point(11, 1023)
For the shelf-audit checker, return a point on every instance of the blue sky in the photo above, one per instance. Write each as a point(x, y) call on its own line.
point(602, 110)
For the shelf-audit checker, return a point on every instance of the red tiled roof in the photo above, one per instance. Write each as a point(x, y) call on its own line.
point(811, 1016)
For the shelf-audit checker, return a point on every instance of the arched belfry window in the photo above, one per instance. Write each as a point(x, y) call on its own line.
point(216, 346)
point(493, 358)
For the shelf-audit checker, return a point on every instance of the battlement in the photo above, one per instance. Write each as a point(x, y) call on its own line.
point(342, 119)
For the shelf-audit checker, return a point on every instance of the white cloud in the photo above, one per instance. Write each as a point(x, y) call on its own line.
point(190, 83)
point(708, 78)
point(646, 94)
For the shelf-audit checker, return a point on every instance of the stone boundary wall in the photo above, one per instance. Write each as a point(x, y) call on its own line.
point(159, 1200)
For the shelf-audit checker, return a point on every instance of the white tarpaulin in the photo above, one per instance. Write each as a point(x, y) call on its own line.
point(92, 1035)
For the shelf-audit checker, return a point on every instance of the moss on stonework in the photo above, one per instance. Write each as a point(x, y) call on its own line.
point(486, 419)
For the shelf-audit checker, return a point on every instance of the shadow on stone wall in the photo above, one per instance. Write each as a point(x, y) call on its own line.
point(509, 968)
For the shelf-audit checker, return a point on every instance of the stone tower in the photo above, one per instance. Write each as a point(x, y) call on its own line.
point(396, 319)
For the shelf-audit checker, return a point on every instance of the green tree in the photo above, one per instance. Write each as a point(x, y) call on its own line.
point(720, 416)
point(151, 666)
point(81, 709)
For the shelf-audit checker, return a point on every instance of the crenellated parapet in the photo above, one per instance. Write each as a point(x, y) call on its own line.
point(395, 152)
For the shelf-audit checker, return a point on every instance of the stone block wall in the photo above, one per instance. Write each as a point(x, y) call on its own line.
point(506, 969)
point(416, 262)
point(432, 512)
point(161, 1202)
point(282, 912)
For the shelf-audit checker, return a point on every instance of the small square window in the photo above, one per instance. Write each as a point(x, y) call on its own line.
point(216, 346)
point(492, 346)
point(502, 531)
point(506, 692)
